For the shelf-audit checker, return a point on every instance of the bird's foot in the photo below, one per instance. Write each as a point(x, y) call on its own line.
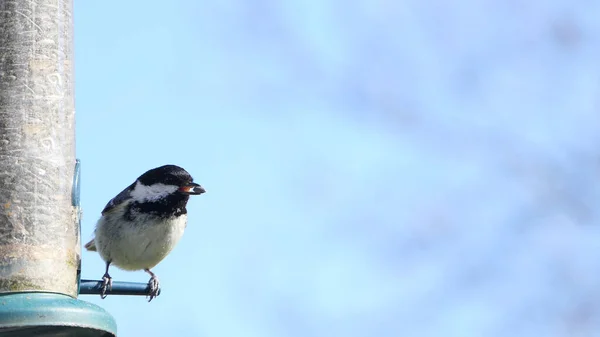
point(154, 286)
point(106, 285)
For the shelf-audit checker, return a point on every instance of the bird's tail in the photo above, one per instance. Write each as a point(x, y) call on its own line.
point(91, 246)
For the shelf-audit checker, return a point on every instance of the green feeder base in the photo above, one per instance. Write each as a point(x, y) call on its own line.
point(49, 314)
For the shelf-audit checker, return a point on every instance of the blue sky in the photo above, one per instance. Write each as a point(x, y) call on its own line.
point(372, 168)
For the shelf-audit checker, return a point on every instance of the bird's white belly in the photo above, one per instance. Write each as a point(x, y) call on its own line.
point(139, 247)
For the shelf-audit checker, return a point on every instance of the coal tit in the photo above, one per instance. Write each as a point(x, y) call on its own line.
point(142, 224)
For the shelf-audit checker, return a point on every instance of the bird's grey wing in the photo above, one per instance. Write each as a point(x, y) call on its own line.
point(119, 199)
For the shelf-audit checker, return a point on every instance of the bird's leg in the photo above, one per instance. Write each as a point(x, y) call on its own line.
point(153, 284)
point(106, 282)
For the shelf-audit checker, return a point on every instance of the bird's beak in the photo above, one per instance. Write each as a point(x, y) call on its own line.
point(192, 188)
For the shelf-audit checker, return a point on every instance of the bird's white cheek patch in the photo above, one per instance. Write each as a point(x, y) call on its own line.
point(142, 192)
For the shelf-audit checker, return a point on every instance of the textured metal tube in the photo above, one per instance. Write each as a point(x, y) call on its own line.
point(39, 240)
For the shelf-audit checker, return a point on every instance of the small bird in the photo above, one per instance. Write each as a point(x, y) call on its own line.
point(142, 224)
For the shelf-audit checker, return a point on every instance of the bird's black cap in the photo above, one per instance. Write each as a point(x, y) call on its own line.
point(168, 175)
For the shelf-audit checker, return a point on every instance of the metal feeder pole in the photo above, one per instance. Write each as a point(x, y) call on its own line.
point(40, 248)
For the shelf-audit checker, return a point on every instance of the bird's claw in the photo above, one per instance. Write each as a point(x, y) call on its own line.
point(154, 286)
point(106, 285)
